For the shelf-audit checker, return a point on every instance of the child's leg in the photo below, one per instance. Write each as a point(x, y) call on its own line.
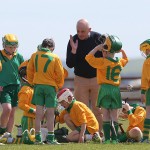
point(38, 119)
point(7, 108)
point(10, 123)
point(114, 124)
point(146, 124)
point(69, 122)
point(106, 123)
point(73, 136)
point(50, 123)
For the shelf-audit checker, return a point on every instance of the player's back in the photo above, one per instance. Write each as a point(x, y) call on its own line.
point(47, 66)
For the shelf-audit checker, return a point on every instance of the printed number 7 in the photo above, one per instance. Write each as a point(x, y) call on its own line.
point(46, 64)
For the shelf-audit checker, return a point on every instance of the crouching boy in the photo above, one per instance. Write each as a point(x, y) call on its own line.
point(78, 117)
point(136, 116)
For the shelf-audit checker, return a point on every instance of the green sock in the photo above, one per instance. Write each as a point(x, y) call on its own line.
point(114, 130)
point(146, 129)
point(106, 128)
point(38, 137)
point(50, 136)
point(2, 130)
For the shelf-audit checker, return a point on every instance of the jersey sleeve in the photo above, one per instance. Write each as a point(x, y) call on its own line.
point(59, 73)
point(144, 79)
point(60, 118)
point(94, 62)
point(137, 117)
point(23, 102)
point(30, 70)
point(124, 61)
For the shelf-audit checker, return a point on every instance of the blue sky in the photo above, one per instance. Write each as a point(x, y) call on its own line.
point(34, 20)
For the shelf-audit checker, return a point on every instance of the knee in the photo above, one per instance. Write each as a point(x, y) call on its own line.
point(7, 110)
point(97, 111)
point(66, 118)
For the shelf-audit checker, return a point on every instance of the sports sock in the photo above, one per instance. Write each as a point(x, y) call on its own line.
point(50, 136)
point(88, 137)
point(2, 130)
point(38, 137)
point(114, 130)
point(106, 128)
point(146, 129)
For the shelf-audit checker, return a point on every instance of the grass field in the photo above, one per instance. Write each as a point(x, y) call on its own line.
point(73, 146)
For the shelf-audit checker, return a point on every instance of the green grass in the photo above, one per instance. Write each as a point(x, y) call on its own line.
point(72, 146)
point(75, 146)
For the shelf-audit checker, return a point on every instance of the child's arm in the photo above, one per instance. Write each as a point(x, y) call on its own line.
point(93, 61)
point(82, 132)
point(97, 48)
point(124, 56)
point(124, 59)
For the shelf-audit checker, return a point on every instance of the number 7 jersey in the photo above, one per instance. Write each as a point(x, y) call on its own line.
point(108, 69)
point(45, 68)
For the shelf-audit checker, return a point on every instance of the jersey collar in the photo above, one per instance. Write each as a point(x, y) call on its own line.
point(113, 60)
point(70, 106)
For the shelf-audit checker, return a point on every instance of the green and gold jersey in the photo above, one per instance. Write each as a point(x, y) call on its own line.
point(24, 103)
point(80, 114)
point(45, 68)
point(9, 68)
point(136, 118)
point(108, 69)
point(145, 80)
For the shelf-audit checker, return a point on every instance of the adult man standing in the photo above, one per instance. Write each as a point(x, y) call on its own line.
point(85, 83)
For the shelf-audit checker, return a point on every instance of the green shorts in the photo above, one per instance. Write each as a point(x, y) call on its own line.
point(44, 95)
point(148, 97)
point(10, 95)
point(79, 129)
point(109, 97)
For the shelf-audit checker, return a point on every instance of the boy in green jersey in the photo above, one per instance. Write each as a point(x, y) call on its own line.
point(10, 60)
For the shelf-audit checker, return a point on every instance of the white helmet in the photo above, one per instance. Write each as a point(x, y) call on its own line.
point(64, 94)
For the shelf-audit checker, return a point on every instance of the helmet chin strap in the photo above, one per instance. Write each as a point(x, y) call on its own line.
point(8, 53)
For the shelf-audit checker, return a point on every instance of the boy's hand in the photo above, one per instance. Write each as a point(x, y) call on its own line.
point(126, 107)
point(81, 139)
point(99, 47)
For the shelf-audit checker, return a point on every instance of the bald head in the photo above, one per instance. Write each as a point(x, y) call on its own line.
point(84, 23)
point(83, 29)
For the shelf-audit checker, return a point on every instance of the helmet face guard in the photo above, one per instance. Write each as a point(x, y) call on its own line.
point(22, 70)
point(144, 46)
point(10, 40)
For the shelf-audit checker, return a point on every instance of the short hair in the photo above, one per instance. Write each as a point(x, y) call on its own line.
point(48, 43)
